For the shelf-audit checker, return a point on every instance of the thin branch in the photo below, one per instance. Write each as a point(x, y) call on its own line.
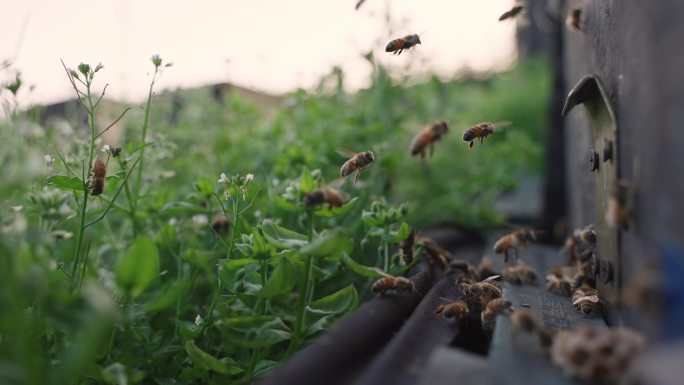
point(69, 170)
point(250, 203)
point(85, 264)
point(94, 221)
point(217, 235)
point(101, 96)
point(113, 123)
point(218, 198)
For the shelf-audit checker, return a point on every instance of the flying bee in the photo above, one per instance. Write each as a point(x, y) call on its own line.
point(518, 238)
point(97, 181)
point(481, 131)
point(403, 43)
point(436, 254)
point(406, 247)
point(457, 310)
point(427, 137)
point(220, 223)
point(585, 300)
point(324, 195)
point(520, 274)
point(357, 162)
point(574, 20)
point(494, 307)
point(398, 285)
point(558, 283)
point(513, 12)
point(617, 213)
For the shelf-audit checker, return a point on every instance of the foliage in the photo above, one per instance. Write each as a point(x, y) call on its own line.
point(173, 276)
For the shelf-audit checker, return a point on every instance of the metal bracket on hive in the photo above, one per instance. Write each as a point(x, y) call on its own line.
point(590, 92)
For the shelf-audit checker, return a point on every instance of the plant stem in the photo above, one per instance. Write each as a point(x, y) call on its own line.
point(81, 227)
point(386, 256)
point(138, 184)
point(305, 292)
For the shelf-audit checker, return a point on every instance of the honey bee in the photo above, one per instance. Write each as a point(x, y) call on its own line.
point(617, 214)
point(402, 43)
point(584, 276)
point(513, 12)
point(324, 195)
point(486, 268)
point(457, 310)
point(574, 20)
point(406, 247)
point(97, 181)
point(579, 243)
point(494, 307)
point(469, 271)
point(585, 300)
point(220, 223)
point(427, 137)
point(558, 283)
point(357, 162)
point(479, 131)
point(436, 254)
point(521, 274)
point(398, 285)
point(518, 238)
point(524, 321)
point(480, 293)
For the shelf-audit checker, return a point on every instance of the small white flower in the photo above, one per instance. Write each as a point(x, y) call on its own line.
point(224, 179)
point(198, 320)
point(200, 219)
point(106, 148)
point(49, 160)
point(248, 178)
point(173, 221)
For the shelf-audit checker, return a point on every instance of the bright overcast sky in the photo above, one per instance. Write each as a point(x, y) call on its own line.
point(271, 45)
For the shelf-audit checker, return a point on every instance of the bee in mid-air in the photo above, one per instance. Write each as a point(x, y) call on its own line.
point(397, 285)
point(513, 12)
point(402, 43)
point(357, 162)
point(520, 274)
point(324, 195)
point(518, 238)
point(479, 131)
point(427, 138)
point(494, 307)
point(585, 300)
point(97, 181)
point(457, 310)
point(574, 20)
point(406, 247)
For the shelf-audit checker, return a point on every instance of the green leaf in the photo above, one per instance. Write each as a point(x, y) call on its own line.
point(67, 183)
point(264, 366)
point(324, 312)
point(206, 361)
point(306, 182)
point(118, 374)
point(189, 330)
point(403, 232)
point(281, 281)
point(325, 212)
point(335, 241)
point(363, 270)
point(254, 331)
point(169, 296)
point(138, 266)
point(205, 187)
point(235, 273)
point(281, 237)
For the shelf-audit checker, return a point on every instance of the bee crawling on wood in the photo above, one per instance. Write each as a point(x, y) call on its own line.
point(514, 240)
point(469, 271)
point(97, 180)
point(513, 12)
point(356, 162)
point(525, 321)
point(574, 20)
point(479, 294)
point(427, 137)
point(585, 300)
point(495, 307)
point(486, 268)
point(436, 254)
point(457, 310)
point(559, 283)
point(579, 242)
point(617, 210)
point(397, 46)
point(520, 274)
point(398, 285)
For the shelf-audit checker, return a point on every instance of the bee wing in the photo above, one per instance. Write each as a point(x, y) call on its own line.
point(492, 278)
point(345, 153)
point(502, 124)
